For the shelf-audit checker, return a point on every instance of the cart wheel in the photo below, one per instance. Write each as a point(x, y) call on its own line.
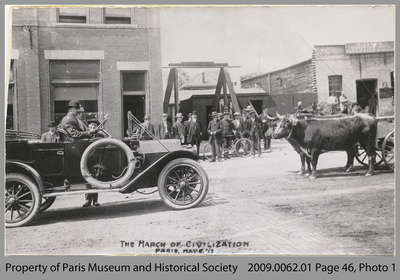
point(22, 200)
point(243, 147)
point(46, 203)
point(182, 184)
point(362, 157)
point(388, 150)
point(207, 152)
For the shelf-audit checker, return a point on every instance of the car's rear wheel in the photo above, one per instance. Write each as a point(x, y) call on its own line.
point(183, 184)
point(22, 200)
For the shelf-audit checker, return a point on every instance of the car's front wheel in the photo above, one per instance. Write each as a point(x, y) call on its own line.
point(183, 184)
point(22, 200)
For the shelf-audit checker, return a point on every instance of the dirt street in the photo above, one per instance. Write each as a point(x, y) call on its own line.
point(259, 204)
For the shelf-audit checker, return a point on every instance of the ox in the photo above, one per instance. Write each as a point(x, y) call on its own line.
point(314, 136)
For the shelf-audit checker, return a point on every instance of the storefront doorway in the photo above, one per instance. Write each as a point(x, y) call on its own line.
point(367, 95)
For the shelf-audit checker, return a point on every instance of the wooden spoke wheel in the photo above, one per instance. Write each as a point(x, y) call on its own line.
point(183, 184)
point(388, 150)
point(22, 200)
point(362, 157)
point(243, 147)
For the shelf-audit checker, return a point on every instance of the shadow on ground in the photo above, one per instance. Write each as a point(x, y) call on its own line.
point(115, 209)
point(340, 172)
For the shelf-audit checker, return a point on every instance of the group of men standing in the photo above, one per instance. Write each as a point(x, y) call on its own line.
point(188, 132)
point(223, 130)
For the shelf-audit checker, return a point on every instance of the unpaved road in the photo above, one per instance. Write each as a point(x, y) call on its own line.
point(261, 201)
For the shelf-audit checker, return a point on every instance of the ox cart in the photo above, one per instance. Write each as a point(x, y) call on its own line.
point(384, 154)
point(385, 132)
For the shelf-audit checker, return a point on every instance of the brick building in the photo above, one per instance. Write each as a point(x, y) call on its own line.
point(110, 58)
point(286, 86)
point(363, 72)
point(358, 70)
point(293, 79)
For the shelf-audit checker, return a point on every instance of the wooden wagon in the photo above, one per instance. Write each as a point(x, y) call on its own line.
point(385, 134)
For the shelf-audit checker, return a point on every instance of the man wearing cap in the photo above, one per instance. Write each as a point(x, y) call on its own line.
point(71, 124)
point(236, 124)
point(179, 129)
point(227, 132)
point(51, 136)
point(164, 128)
point(215, 131)
point(255, 129)
point(194, 132)
point(148, 129)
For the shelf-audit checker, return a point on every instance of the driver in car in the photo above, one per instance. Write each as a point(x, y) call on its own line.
point(71, 124)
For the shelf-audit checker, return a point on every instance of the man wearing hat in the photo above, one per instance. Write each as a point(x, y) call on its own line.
point(267, 128)
point(92, 125)
point(164, 128)
point(236, 124)
point(215, 131)
point(71, 124)
point(255, 129)
point(244, 127)
point(194, 132)
point(147, 129)
point(179, 129)
point(51, 136)
point(227, 132)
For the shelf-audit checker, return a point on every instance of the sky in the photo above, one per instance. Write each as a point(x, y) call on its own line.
point(263, 39)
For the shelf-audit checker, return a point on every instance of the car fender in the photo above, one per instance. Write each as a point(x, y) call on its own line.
point(27, 169)
point(157, 165)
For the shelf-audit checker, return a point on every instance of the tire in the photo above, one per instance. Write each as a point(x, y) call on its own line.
point(243, 147)
point(46, 203)
point(362, 158)
point(22, 197)
point(121, 180)
point(207, 153)
point(175, 184)
point(388, 148)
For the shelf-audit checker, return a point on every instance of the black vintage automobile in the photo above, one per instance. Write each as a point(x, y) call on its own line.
point(36, 173)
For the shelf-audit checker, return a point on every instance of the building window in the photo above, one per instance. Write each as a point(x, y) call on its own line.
point(134, 82)
point(72, 15)
point(335, 85)
point(11, 121)
point(117, 16)
point(74, 80)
